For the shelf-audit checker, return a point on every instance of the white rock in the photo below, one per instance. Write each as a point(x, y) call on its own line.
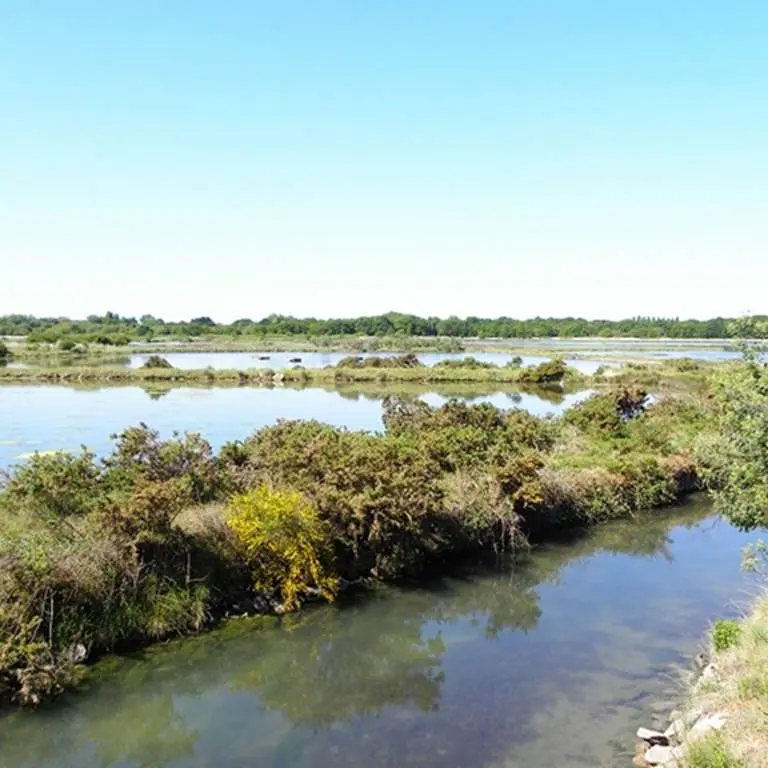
point(78, 653)
point(665, 756)
point(652, 737)
point(676, 730)
point(709, 672)
point(658, 755)
point(705, 726)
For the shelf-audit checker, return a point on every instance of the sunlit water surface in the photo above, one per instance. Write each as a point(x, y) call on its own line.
point(553, 660)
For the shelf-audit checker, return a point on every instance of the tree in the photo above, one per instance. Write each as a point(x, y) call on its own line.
point(737, 464)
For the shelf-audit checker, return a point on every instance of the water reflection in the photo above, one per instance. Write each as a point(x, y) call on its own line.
point(489, 666)
point(45, 417)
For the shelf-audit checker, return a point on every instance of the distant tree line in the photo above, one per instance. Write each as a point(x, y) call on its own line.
point(111, 328)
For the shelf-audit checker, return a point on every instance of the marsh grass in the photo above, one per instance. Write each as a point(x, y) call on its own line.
point(739, 689)
point(654, 376)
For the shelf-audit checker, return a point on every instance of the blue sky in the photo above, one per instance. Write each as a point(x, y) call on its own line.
point(574, 157)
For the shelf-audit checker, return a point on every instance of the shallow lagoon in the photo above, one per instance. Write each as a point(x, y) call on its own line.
point(46, 417)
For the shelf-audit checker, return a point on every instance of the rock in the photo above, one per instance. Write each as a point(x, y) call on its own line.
point(681, 723)
point(709, 672)
point(658, 755)
point(676, 729)
point(640, 761)
point(665, 756)
point(652, 737)
point(701, 660)
point(703, 727)
point(78, 653)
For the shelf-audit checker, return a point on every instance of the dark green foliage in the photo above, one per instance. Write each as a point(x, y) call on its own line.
point(609, 410)
point(686, 365)
point(67, 344)
point(725, 634)
point(737, 463)
point(155, 361)
point(401, 361)
point(380, 495)
point(112, 328)
point(93, 553)
point(5, 353)
point(135, 546)
point(552, 371)
point(467, 362)
point(56, 485)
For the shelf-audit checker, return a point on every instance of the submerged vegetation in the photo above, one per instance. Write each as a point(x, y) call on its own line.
point(162, 537)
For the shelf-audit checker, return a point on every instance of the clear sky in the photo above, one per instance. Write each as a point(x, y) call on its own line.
point(601, 158)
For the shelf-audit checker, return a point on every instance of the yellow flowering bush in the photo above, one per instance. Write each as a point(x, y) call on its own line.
point(286, 544)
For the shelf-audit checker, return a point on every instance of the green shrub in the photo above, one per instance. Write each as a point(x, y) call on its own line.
point(402, 361)
point(545, 373)
point(155, 361)
point(712, 753)
point(608, 411)
point(725, 634)
point(685, 365)
point(140, 457)
point(471, 363)
point(66, 344)
point(56, 484)
point(5, 353)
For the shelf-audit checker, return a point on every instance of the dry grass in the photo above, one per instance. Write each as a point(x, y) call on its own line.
point(740, 690)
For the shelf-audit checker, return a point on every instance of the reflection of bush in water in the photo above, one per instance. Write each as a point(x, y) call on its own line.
point(331, 665)
point(553, 394)
point(157, 394)
point(324, 666)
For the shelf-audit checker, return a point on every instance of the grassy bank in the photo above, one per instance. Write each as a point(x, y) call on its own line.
point(608, 349)
point(725, 724)
point(468, 371)
point(164, 537)
point(375, 369)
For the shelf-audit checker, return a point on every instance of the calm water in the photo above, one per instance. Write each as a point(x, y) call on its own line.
point(552, 661)
point(43, 418)
point(278, 360)
point(697, 349)
point(594, 354)
point(281, 360)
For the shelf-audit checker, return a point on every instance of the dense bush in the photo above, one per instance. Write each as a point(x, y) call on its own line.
point(545, 373)
point(285, 543)
point(155, 361)
point(5, 353)
point(399, 361)
point(725, 634)
point(609, 410)
point(737, 461)
point(466, 362)
point(161, 535)
point(392, 324)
